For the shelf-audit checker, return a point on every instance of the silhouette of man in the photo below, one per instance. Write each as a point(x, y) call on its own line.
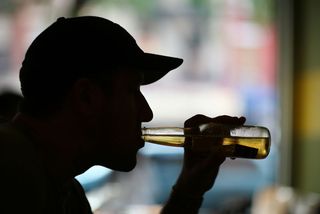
point(82, 106)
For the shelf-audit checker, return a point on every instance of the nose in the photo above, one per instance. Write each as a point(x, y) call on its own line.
point(146, 113)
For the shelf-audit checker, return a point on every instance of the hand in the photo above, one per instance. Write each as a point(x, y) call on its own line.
point(200, 168)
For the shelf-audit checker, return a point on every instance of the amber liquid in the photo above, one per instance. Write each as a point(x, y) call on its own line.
point(237, 147)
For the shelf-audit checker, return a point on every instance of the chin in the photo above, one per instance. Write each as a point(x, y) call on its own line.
point(122, 165)
point(126, 169)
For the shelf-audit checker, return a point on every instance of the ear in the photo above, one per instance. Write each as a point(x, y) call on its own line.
point(86, 97)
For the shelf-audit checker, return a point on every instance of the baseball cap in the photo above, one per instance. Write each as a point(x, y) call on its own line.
point(72, 46)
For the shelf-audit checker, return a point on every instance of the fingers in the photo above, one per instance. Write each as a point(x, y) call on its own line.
point(197, 120)
point(225, 119)
point(202, 119)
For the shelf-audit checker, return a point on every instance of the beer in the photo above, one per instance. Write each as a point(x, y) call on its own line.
point(237, 142)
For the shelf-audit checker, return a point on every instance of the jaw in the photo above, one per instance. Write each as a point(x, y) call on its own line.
point(123, 161)
point(122, 165)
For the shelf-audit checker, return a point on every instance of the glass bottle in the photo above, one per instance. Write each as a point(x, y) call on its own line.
point(237, 141)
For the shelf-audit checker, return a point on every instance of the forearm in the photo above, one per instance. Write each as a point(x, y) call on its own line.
point(180, 202)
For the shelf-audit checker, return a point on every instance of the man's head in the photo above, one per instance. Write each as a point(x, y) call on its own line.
point(9, 101)
point(92, 69)
point(73, 48)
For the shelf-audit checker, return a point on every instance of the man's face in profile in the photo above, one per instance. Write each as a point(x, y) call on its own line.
point(119, 127)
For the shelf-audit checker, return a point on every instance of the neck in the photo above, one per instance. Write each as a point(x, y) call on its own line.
point(56, 141)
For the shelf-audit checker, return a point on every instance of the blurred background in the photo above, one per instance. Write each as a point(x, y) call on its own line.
point(254, 58)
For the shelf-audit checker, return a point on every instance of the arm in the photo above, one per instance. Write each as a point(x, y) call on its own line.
point(199, 171)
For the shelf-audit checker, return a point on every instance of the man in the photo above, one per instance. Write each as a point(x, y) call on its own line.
point(82, 106)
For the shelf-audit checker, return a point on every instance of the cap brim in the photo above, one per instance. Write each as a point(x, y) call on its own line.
point(154, 66)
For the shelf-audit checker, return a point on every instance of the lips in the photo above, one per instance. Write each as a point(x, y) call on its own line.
point(141, 142)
